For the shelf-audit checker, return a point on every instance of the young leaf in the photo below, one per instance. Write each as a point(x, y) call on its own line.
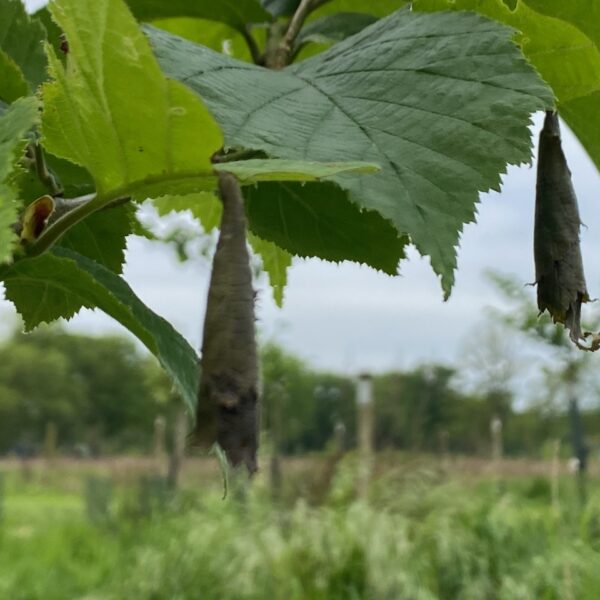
point(59, 282)
point(102, 236)
point(21, 38)
point(12, 81)
point(203, 206)
point(561, 287)
point(255, 170)
point(441, 101)
point(334, 28)
point(380, 8)
point(236, 13)
point(318, 219)
point(280, 8)
point(15, 122)
point(275, 262)
point(562, 41)
point(113, 112)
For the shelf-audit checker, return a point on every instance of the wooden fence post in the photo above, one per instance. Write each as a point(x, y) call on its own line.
point(180, 431)
point(278, 399)
point(158, 451)
point(365, 427)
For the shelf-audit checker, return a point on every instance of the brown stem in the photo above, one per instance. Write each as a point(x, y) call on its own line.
point(42, 171)
point(286, 46)
point(228, 393)
point(257, 57)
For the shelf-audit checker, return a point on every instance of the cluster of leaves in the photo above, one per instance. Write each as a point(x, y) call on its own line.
point(385, 138)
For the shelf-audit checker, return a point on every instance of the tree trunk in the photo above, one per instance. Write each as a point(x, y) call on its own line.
point(228, 395)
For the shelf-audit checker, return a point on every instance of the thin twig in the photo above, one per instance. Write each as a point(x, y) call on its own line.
point(257, 57)
point(75, 210)
point(284, 51)
point(42, 171)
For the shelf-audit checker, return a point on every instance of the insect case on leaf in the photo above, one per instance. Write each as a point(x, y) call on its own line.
point(561, 287)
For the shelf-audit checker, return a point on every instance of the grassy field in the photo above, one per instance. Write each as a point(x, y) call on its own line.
point(423, 533)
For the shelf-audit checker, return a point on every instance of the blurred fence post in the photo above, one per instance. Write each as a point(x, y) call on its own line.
point(159, 455)
point(180, 430)
point(365, 426)
point(98, 495)
point(497, 448)
point(1, 497)
point(555, 475)
point(278, 399)
point(580, 450)
point(50, 442)
point(444, 441)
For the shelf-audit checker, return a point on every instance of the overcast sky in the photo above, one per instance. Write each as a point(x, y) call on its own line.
point(351, 318)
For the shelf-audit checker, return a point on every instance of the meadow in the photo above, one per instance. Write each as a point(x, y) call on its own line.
point(109, 531)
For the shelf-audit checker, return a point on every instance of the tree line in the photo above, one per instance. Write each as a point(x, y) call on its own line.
point(102, 394)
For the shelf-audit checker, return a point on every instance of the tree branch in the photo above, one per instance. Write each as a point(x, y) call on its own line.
point(257, 57)
point(42, 171)
point(70, 212)
point(284, 51)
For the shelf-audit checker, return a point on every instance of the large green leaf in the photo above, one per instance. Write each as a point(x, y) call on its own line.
point(441, 101)
point(317, 219)
point(21, 37)
point(255, 170)
point(112, 111)
point(236, 13)
point(562, 41)
point(15, 122)
point(59, 282)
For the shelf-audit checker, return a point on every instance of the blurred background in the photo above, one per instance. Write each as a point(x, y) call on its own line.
point(478, 479)
point(411, 449)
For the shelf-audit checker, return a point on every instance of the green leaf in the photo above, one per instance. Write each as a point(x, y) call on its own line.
point(12, 81)
point(22, 37)
point(441, 101)
point(214, 35)
point(53, 31)
point(380, 8)
point(73, 180)
point(281, 8)
point(562, 41)
point(317, 219)
point(102, 235)
point(236, 13)
point(15, 122)
point(112, 111)
point(583, 117)
point(275, 262)
point(334, 28)
point(204, 207)
point(59, 282)
point(254, 170)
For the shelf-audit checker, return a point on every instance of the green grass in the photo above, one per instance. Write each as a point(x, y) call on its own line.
point(420, 536)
